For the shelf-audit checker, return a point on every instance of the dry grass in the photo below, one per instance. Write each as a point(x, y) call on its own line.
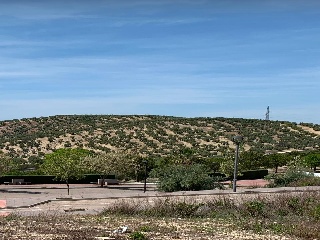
point(288, 214)
point(274, 216)
point(47, 227)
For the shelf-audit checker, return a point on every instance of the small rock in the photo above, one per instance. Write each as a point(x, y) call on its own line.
point(122, 229)
point(105, 238)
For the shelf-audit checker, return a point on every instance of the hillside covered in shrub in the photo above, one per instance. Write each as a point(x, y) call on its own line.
point(151, 136)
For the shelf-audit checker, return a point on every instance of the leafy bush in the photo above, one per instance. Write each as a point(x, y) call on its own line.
point(292, 178)
point(184, 178)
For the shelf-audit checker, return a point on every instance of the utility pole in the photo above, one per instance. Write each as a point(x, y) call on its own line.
point(237, 140)
point(268, 114)
point(145, 175)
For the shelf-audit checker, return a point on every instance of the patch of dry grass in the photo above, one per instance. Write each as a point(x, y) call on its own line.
point(274, 216)
point(92, 227)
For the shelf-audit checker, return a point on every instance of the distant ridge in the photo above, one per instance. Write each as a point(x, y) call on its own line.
point(152, 135)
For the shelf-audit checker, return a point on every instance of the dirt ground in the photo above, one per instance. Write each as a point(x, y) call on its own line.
point(47, 212)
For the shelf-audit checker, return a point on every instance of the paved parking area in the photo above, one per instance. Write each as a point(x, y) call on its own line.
point(91, 199)
point(19, 196)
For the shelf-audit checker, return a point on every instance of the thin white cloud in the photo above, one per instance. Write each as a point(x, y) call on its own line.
point(44, 10)
point(157, 21)
point(55, 10)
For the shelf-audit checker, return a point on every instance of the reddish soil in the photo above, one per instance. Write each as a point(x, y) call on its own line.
point(250, 183)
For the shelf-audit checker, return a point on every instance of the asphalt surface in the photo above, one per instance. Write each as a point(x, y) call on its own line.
point(91, 199)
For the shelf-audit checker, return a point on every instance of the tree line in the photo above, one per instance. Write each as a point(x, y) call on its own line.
point(74, 163)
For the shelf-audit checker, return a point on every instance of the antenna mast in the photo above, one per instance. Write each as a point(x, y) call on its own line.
point(268, 113)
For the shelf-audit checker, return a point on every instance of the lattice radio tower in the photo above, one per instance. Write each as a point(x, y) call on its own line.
point(267, 113)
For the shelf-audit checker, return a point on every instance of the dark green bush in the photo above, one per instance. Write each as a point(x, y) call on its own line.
point(184, 178)
point(253, 174)
point(218, 175)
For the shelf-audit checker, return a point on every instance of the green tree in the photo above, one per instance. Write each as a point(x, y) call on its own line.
point(6, 164)
point(65, 164)
point(227, 163)
point(276, 160)
point(312, 161)
point(212, 164)
point(143, 166)
point(251, 160)
point(119, 163)
point(186, 156)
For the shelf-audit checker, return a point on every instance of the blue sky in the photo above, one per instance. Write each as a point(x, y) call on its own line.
point(204, 58)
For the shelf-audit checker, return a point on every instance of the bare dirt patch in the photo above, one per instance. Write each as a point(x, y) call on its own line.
point(309, 129)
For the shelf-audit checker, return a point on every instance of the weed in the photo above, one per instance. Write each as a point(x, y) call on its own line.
point(257, 226)
point(183, 209)
point(138, 236)
point(277, 227)
point(307, 181)
point(145, 228)
point(123, 208)
point(255, 207)
point(295, 204)
point(316, 212)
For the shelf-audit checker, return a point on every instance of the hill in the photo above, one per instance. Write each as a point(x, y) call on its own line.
point(151, 135)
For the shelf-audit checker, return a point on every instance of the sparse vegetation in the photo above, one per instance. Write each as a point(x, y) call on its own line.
point(293, 214)
point(55, 227)
point(151, 136)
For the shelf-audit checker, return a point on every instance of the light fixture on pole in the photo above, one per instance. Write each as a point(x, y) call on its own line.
point(237, 140)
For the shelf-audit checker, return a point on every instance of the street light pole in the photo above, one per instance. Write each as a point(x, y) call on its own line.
point(237, 140)
point(145, 176)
